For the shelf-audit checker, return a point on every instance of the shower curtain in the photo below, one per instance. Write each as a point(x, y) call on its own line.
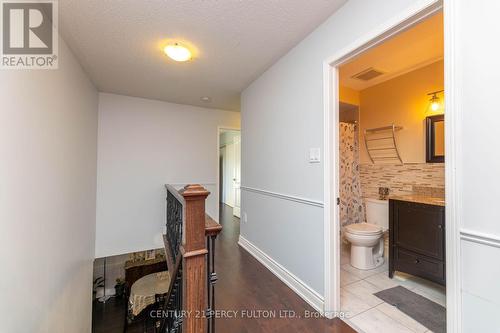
point(351, 203)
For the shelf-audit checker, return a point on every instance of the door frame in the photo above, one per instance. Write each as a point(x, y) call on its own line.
point(395, 25)
point(237, 198)
point(219, 130)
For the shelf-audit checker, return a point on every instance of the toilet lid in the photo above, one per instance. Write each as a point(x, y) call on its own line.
point(363, 229)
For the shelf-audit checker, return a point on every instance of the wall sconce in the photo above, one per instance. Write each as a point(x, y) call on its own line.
point(435, 103)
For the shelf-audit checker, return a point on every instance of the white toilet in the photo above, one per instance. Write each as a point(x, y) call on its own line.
point(367, 239)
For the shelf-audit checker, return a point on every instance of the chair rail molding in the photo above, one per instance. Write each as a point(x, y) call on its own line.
point(480, 237)
point(288, 197)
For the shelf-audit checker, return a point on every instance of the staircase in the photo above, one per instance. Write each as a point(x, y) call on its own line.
point(190, 250)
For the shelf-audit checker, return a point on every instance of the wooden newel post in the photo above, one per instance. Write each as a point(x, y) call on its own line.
point(194, 264)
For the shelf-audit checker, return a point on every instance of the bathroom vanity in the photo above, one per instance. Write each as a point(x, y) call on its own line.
point(417, 237)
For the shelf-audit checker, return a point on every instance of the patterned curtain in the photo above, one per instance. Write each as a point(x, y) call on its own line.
point(351, 203)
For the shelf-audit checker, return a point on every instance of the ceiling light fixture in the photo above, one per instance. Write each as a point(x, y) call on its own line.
point(205, 99)
point(435, 103)
point(177, 52)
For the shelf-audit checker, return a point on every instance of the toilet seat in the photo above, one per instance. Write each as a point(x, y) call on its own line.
point(364, 229)
point(367, 239)
point(367, 245)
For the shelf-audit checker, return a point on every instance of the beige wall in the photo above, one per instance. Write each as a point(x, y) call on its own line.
point(348, 95)
point(402, 101)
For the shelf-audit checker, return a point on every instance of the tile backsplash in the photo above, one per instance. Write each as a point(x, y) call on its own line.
point(402, 179)
point(435, 192)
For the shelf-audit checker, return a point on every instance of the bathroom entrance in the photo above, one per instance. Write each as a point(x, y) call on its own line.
point(391, 184)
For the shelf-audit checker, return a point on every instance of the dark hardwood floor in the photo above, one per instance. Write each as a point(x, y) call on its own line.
point(109, 317)
point(245, 285)
point(246, 290)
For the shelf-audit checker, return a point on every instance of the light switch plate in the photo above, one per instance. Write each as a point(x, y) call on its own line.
point(314, 155)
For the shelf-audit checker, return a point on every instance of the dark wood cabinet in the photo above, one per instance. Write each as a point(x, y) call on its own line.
point(417, 240)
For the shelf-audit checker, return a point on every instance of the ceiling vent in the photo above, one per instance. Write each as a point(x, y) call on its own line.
point(368, 74)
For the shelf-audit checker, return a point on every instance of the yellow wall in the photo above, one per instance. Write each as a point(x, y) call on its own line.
point(402, 101)
point(348, 95)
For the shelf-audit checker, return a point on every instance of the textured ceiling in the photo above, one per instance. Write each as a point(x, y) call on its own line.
point(416, 47)
point(119, 43)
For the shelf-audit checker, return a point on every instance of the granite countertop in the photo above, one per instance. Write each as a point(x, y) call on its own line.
point(436, 201)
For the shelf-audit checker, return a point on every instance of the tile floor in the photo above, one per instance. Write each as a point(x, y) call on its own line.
point(368, 313)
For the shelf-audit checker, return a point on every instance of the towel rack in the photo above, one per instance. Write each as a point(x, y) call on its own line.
point(381, 144)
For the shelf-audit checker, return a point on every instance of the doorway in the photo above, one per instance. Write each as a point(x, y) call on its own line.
point(333, 239)
point(396, 88)
point(229, 157)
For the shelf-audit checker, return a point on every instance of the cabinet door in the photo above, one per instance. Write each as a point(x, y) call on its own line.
point(419, 228)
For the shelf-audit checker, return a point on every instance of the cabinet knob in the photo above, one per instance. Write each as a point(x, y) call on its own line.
point(440, 226)
point(417, 261)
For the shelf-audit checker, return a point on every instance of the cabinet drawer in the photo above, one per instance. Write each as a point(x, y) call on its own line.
point(419, 265)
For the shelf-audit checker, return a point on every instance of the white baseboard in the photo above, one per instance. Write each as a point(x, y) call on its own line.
point(297, 285)
point(236, 211)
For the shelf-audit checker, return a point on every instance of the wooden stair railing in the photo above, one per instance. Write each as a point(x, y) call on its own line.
point(212, 229)
point(189, 246)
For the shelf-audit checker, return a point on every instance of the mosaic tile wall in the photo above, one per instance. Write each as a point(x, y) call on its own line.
point(400, 179)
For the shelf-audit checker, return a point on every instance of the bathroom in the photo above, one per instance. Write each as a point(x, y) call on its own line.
point(392, 184)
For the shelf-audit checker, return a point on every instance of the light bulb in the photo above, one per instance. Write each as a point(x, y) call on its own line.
point(435, 106)
point(177, 52)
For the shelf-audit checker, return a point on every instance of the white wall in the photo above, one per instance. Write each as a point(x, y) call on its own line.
point(142, 145)
point(48, 149)
point(477, 52)
point(282, 117)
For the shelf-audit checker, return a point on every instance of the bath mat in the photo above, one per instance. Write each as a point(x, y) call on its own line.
point(423, 310)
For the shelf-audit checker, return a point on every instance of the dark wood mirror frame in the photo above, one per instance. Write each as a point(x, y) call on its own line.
point(430, 155)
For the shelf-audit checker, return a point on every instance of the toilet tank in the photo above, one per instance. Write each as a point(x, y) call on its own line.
point(377, 212)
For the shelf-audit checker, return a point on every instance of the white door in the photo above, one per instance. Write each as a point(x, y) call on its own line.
point(222, 173)
point(237, 176)
point(229, 175)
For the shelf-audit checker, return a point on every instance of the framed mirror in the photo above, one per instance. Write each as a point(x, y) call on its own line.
point(435, 139)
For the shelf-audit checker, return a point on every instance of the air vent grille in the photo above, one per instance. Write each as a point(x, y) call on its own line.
point(368, 74)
